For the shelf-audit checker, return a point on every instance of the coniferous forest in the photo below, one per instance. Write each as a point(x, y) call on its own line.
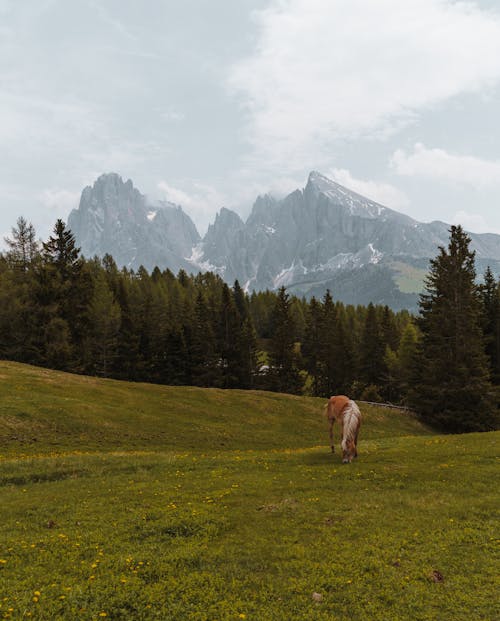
point(63, 311)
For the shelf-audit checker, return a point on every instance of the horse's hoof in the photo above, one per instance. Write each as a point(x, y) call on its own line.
point(345, 461)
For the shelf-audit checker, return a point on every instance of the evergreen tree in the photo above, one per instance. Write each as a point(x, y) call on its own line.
point(61, 252)
point(248, 355)
point(282, 355)
point(104, 324)
point(388, 328)
point(23, 247)
point(329, 361)
point(311, 344)
point(205, 369)
point(240, 300)
point(372, 350)
point(452, 387)
point(344, 353)
point(229, 338)
point(490, 298)
point(126, 359)
point(407, 359)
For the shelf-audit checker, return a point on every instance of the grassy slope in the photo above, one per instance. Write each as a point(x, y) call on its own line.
point(46, 410)
point(162, 521)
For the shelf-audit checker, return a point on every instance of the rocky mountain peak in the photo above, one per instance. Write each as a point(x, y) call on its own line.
point(324, 236)
point(114, 217)
point(355, 204)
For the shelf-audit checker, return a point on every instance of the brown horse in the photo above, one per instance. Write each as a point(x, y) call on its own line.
point(341, 408)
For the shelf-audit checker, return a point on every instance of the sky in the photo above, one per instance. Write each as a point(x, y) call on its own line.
point(209, 103)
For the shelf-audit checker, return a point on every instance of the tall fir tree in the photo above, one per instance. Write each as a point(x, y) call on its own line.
point(344, 353)
point(229, 338)
point(61, 251)
point(490, 297)
point(329, 363)
point(205, 369)
point(372, 350)
point(452, 388)
point(284, 372)
point(104, 324)
point(311, 344)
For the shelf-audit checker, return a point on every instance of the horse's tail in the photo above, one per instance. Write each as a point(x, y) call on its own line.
point(351, 423)
point(327, 409)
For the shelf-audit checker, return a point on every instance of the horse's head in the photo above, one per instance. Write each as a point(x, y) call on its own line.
point(348, 451)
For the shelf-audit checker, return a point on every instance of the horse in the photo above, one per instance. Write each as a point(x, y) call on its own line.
point(344, 410)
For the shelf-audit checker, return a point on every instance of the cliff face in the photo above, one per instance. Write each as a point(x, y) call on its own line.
point(115, 218)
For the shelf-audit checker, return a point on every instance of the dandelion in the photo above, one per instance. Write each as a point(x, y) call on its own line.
point(103, 614)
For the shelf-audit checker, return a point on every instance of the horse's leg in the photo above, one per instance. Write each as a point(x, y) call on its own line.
point(332, 420)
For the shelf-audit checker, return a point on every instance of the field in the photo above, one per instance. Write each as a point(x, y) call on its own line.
point(408, 278)
point(131, 501)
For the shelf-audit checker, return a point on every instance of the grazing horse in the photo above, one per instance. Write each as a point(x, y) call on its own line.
point(344, 410)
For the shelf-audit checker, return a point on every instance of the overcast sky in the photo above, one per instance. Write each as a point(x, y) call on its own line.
point(210, 102)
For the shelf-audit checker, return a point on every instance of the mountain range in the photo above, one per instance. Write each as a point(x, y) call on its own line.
point(323, 236)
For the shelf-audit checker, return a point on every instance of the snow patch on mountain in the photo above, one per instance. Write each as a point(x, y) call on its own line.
point(198, 261)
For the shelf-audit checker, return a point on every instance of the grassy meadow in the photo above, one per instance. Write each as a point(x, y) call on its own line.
point(132, 501)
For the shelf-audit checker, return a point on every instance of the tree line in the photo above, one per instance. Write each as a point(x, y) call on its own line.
point(63, 311)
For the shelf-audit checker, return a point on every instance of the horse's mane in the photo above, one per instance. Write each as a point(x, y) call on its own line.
point(351, 423)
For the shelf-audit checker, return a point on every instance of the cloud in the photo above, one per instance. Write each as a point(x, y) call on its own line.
point(324, 70)
point(200, 201)
point(441, 165)
point(60, 202)
point(473, 222)
point(383, 193)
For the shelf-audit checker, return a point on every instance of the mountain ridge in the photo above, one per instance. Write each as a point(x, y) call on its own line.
point(322, 236)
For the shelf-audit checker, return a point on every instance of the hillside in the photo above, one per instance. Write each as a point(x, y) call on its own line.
point(43, 409)
point(131, 501)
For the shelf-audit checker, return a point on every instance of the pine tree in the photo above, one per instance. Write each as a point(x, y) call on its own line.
point(452, 388)
point(240, 300)
point(407, 359)
point(311, 344)
point(229, 338)
point(23, 247)
point(344, 353)
point(126, 359)
point(205, 369)
point(248, 355)
point(104, 324)
point(283, 358)
point(490, 298)
point(61, 251)
point(372, 365)
point(329, 362)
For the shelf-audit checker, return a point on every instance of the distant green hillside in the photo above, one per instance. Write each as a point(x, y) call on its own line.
point(44, 409)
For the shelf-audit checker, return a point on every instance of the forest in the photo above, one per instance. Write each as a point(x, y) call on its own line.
point(61, 310)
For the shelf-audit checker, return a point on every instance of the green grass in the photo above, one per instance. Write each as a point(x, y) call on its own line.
point(409, 279)
point(147, 502)
point(44, 410)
